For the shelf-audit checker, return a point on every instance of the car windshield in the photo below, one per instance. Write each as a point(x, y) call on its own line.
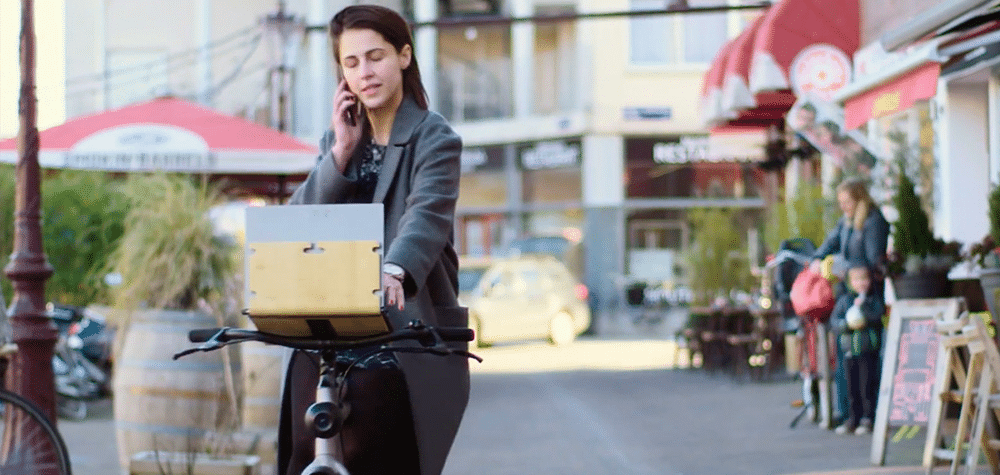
point(468, 277)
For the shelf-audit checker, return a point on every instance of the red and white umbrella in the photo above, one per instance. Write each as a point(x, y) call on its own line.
point(168, 134)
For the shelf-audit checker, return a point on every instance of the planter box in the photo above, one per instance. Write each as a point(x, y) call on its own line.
point(990, 281)
point(176, 463)
point(972, 291)
point(923, 285)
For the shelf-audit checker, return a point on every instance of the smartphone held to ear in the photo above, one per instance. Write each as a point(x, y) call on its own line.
point(351, 113)
point(350, 116)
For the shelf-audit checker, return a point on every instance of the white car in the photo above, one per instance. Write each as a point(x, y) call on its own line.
point(522, 298)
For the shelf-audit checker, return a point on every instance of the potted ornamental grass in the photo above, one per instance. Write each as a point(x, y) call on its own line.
point(173, 272)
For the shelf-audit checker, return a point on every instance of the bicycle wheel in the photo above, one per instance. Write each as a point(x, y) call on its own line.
point(29, 443)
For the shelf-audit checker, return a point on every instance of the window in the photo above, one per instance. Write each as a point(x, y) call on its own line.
point(675, 38)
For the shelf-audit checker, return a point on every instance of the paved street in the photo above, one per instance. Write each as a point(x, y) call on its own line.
point(609, 406)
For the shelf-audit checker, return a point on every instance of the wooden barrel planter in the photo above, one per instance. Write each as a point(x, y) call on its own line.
point(262, 373)
point(261, 380)
point(167, 405)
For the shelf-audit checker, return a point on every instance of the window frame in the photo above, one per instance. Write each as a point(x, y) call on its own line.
point(680, 64)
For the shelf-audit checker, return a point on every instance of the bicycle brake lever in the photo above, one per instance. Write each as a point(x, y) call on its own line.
point(467, 355)
point(211, 344)
point(186, 352)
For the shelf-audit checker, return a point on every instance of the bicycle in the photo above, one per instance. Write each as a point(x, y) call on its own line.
point(326, 416)
point(29, 442)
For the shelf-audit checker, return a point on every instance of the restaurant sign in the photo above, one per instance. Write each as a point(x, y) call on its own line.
point(476, 159)
point(551, 154)
point(688, 149)
point(142, 147)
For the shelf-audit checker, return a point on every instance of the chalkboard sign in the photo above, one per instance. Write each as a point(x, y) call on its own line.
point(913, 381)
point(911, 364)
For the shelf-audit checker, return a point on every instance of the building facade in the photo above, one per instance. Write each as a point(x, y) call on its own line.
point(603, 143)
point(585, 127)
point(929, 74)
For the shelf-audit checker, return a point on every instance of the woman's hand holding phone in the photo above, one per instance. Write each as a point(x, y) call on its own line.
point(345, 124)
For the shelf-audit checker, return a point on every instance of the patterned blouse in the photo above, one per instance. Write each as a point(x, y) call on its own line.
point(368, 171)
point(371, 165)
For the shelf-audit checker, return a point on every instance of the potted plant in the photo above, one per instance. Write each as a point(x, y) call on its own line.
point(173, 273)
point(716, 261)
point(920, 262)
point(986, 254)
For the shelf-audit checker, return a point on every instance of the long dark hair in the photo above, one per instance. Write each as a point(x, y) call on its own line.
point(393, 28)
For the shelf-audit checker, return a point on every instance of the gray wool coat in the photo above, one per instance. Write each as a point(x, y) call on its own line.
point(418, 185)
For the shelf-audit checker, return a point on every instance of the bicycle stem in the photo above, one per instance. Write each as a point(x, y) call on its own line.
point(329, 451)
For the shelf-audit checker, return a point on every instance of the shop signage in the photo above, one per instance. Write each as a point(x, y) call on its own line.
point(694, 148)
point(820, 70)
point(897, 95)
point(688, 149)
point(725, 147)
point(912, 363)
point(140, 148)
point(648, 113)
point(872, 60)
point(551, 154)
point(482, 159)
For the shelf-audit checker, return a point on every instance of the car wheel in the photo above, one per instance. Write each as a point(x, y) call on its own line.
point(561, 331)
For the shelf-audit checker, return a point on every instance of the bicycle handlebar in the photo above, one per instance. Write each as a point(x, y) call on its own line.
point(225, 334)
point(428, 337)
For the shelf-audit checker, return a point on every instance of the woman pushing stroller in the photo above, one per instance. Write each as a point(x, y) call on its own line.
point(859, 240)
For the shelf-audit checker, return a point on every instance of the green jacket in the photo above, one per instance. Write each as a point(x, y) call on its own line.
point(865, 340)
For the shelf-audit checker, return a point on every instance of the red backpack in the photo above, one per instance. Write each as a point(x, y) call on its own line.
point(812, 295)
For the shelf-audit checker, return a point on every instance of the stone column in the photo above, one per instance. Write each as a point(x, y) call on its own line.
point(522, 38)
point(426, 46)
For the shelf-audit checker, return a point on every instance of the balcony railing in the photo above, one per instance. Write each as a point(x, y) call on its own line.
point(476, 90)
point(484, 90)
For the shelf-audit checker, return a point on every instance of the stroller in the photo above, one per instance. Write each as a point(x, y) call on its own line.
point(793, 256)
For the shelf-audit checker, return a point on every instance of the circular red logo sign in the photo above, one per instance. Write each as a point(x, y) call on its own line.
point(820, 70)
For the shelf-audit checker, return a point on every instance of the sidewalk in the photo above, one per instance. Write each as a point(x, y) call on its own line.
point(93, 448)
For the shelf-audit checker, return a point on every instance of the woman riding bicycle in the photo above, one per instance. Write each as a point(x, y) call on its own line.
point(384, 146)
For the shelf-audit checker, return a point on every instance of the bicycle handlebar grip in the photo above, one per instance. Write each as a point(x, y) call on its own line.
point(202, 335)
point(456, 333)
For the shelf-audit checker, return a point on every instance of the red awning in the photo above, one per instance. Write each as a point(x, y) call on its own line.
point(790, 27)
point(711, 87)
point(897, 95)
point(814, 37)
point(736, 95)
point(168, 134)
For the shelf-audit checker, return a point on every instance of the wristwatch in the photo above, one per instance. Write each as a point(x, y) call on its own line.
point(394, 271)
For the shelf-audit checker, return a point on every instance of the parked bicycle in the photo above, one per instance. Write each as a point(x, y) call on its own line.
point(29, 442)
point(325, 418)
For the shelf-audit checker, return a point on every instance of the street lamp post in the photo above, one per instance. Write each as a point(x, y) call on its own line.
point(284, 34)
point(30, 372)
